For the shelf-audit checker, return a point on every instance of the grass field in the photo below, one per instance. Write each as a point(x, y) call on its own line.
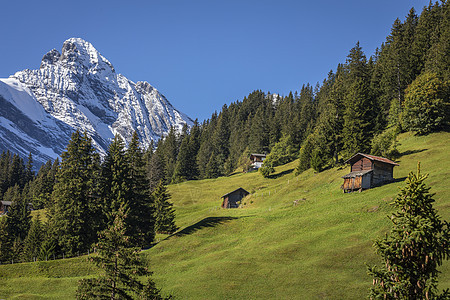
point(269, 249)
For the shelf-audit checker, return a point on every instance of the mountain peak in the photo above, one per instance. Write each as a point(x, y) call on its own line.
point(78, 89)
point(50, 58)
point(76, 51)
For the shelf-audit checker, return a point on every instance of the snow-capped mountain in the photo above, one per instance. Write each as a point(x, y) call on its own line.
point(79, 89)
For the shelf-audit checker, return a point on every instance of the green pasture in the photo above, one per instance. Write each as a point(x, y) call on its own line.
point(269, 248)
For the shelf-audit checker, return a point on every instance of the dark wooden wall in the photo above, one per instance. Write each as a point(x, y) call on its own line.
point(362, 164)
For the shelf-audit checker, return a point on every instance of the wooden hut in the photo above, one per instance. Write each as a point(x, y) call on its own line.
point(257, 160)
point(367, 171)
point(232, 199)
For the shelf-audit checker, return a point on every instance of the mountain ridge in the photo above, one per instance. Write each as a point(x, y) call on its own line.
point(79, 89)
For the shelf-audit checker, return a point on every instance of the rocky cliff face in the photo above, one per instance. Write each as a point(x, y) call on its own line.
point(79, 89)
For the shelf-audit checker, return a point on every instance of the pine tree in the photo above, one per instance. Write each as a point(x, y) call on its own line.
point(215, 166)
point(155, 170)
point(29, 174)
point(194, 147)
point(5, 242)
point(116, 173)
point(438, 58)
point(141, 205)
point(304, 162)
point(18, 219)
point(16, 225)
point(220, 139)
point(182, 167)
point(358, 127)
point(32, 243)
point(355, 133)
point(417, 244)
point(169, 152)
point(121, 264)
point(42, 187)
point(16, 172)
point(74, 215)
point(164, 212)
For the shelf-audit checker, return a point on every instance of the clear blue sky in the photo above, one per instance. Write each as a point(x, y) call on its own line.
point(203, 54)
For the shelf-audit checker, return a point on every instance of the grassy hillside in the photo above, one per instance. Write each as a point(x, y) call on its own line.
point(269, 248)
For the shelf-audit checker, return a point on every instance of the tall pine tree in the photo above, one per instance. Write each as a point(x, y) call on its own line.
point(74, 215)
point(417, 244)
point(164, 212)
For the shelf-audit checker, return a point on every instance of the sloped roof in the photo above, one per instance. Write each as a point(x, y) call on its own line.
point(356, 173)
point(234, 192)
point(256, 154)
point(371, 157)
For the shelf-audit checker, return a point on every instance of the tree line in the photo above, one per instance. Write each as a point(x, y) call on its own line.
point(359, 107)
point(82, 195)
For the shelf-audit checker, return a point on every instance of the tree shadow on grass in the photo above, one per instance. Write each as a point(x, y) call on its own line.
point(395, 180)
point(206, 222)
point(401, 179)
point(274, 176)
point(409, 152)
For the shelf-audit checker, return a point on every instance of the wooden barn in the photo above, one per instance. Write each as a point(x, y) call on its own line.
point(367, 171)
point(232, 199)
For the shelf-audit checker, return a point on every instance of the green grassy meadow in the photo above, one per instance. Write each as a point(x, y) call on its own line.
point(269, 248)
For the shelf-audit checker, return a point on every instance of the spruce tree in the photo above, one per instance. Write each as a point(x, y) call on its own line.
point(358, 119)
point(18, 219)
point(164, 212)
point(417, 244)
point(182, 167)
point(155, 170)
point(194, 146)
point(141, 205)
point(29, 174)
point(42, 186)
point(32, 243)
point(215, 166)
point(16, 172)
point(74, 215)
point(5, 241)
point(116, 173)
point(121, 264)
point(304, 162)
point(169, 151)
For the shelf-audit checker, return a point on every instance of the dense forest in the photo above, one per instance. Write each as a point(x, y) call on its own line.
point(82, 196)
point(359, 107)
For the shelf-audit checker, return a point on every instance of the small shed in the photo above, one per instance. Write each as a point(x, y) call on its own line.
point(231, 200)
point(367, 171)
point(257, 160)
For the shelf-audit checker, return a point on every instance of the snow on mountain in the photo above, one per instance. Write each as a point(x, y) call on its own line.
point(79, 89)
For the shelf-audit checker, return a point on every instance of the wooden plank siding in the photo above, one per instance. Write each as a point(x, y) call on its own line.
point(368, 171)
point(382, 173)
point(362, 164)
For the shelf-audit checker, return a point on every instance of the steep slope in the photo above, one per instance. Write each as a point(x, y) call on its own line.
point(79, 89)
point(270, 249)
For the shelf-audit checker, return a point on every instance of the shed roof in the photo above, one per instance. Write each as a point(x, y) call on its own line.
point(356, 173)
point(371, 157)
point(6, 203)
point(257, 154)
point(235, 191)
